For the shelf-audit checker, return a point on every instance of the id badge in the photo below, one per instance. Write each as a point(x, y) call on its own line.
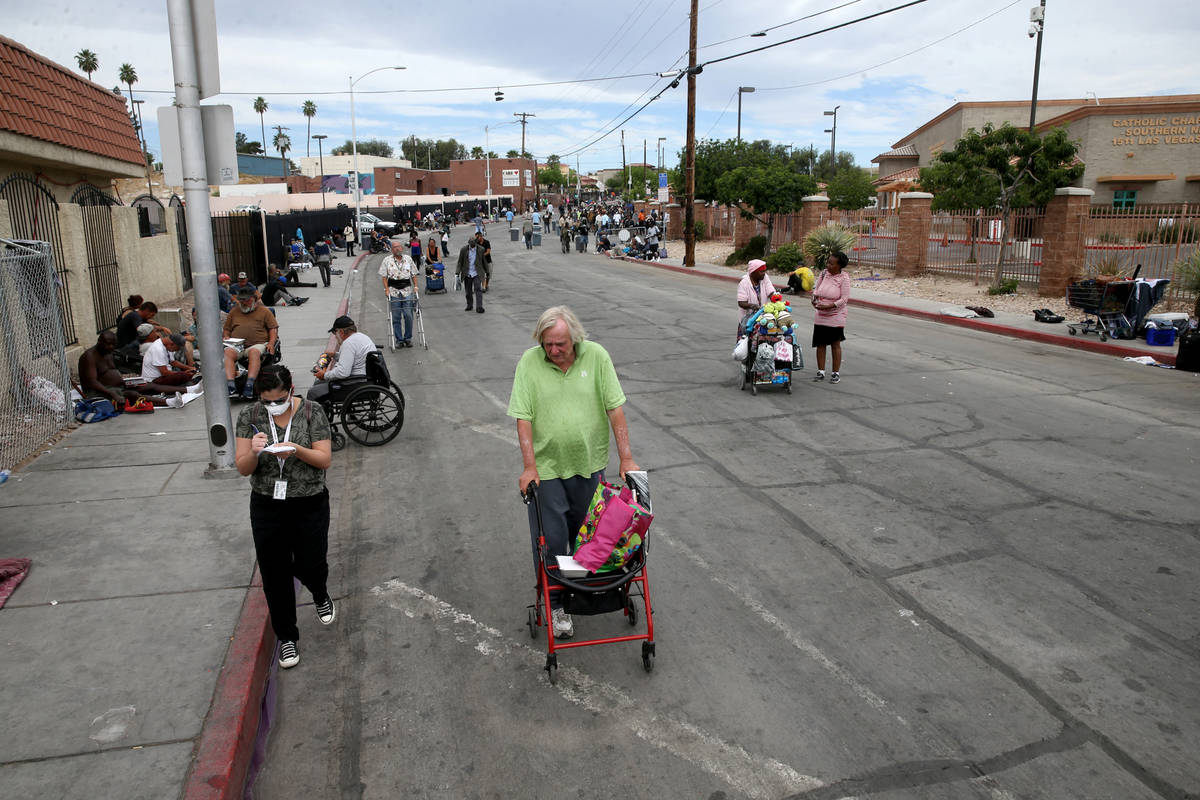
point(280, 490)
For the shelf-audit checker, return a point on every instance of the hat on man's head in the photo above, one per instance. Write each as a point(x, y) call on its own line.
point(144, 330)
point(342, 322)
point(241, 276)
point(246, 291)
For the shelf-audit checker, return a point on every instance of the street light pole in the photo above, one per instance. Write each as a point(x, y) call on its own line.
point(320, 137)
point(662, 155)
point(354, 147)
point(1037, 19)
point(742, 90)
point(832, 141)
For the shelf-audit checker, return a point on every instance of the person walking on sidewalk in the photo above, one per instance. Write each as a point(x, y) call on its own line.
point(527, 233)
point(289, 504)
point(830, 295)
point(399, 275)
point(565, 397)
point(348, 234)
point(474, 271)
point(324, 255)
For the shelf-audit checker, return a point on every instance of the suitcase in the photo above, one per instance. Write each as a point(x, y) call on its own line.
point(1188, 357)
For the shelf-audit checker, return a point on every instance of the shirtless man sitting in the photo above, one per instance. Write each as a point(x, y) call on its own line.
point(99, 376)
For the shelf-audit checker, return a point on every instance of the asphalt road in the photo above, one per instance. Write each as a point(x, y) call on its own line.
point(968, 571)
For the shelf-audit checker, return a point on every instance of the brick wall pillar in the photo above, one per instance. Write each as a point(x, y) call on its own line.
point(674, 213)
point(1064, 239)
point(813, 213)
point(743, 229)
point(912, 242)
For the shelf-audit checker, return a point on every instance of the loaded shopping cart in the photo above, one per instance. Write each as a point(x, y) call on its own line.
point(1115, 309)
point(584, 593)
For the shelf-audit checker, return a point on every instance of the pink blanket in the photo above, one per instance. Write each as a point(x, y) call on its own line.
point(12, 572)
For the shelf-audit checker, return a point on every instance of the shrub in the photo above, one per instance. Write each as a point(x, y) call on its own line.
point(700, 228)
point(786, 258)
point(1187, 277)
point(1007, 286)
point(1112, 265)
point(1110, 237)
point(1146, 235)
point(753, 249)
point(827, 239)
point(1171, 233)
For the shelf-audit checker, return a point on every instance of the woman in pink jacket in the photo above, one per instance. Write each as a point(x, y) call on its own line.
point(830, 296)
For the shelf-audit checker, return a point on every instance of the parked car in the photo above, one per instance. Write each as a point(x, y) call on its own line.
point(369, 222)
point(246, 207)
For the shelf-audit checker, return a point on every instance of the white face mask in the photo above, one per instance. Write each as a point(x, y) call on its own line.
point(278, 407)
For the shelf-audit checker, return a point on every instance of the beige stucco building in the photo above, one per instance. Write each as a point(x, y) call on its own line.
point(1135, 150)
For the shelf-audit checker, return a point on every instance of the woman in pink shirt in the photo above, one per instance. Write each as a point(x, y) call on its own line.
point(830, 296)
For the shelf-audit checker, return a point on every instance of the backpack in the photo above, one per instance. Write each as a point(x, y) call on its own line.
point(95, 410)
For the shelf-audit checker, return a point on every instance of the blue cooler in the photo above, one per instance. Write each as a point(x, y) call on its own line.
point(1160, 337)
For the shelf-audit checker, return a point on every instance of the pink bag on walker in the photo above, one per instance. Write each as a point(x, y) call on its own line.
point(612, 530)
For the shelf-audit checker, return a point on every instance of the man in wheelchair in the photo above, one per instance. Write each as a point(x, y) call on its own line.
point(348, 365)
point(253, 323)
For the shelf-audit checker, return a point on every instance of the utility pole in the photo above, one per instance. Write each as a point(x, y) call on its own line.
point(645, 180)
point(1037, 20)
point(578, 183)
point(524, 117)
point(624, 166)
point(320, 137)
point(689, 200)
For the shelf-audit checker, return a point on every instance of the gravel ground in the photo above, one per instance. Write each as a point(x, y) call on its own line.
point(950, 290)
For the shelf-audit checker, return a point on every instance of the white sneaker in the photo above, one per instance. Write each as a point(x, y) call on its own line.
point(195, 388)
point(564, 627)
point(289, 656)
point(176, 401)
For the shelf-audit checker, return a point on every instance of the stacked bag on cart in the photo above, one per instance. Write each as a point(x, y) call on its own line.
point(613, 529)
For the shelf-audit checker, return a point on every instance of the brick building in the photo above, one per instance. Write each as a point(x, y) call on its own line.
point(1135, 150)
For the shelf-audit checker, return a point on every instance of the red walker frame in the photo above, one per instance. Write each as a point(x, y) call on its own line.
point(631, 583)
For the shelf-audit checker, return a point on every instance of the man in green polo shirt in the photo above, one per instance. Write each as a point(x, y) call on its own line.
point(565, 396)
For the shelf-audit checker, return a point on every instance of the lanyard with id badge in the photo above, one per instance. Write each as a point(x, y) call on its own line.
point(281, 484)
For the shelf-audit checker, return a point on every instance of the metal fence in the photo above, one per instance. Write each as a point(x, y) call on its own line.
point(1157, 237)
point(33, 214)
point(105, 273)
point(967, 244)
point(35, 404)
point(877, 229)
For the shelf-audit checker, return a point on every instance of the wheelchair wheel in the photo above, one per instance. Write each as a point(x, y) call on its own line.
point(372, 415)
point(337, 440)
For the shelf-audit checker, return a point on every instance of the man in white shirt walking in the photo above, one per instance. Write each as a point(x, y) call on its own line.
point(399, 274)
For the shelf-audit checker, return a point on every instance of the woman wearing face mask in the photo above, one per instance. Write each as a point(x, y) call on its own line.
point(283, 444)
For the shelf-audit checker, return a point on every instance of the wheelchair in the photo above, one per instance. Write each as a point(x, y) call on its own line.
point(370, 409)
point(239, 381)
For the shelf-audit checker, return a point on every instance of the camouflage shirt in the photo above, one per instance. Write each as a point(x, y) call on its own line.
point(309, 424)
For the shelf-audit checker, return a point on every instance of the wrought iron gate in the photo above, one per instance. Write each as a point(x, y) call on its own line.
point(103, 269)
point(181, 235)
point(33, 213)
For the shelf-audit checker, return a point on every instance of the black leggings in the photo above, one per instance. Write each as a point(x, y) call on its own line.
point(291, 538)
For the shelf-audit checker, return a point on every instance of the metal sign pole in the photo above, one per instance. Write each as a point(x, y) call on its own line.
point(184, 59)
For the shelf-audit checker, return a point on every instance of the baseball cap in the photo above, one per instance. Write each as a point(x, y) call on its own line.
point(241, 275)
point(342, 322)
point(222, 277)
point(145, 329)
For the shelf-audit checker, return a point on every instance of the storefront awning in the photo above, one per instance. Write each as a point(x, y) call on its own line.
point(1134, 178)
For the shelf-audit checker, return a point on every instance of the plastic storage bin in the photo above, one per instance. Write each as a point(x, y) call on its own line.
point(1160, 337)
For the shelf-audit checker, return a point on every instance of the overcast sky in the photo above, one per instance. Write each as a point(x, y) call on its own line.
point(294, 52)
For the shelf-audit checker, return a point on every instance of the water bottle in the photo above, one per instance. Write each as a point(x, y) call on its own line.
point(4, 475)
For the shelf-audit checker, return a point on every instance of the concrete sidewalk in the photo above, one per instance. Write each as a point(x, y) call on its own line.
point(136, 650)
point(1005, 324)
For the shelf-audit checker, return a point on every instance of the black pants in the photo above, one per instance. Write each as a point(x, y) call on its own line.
point(291, 538)
point(564, 503)
point(349, 247)
point(474, 290)
point(324, 267)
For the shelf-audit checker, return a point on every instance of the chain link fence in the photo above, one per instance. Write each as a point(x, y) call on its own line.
point(36, 381)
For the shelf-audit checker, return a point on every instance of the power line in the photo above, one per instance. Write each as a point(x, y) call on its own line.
point(763, 31)
point(846, 24)
point(891, 60)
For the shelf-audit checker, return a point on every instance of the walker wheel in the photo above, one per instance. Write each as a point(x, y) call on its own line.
point(1071, 330)
point(1103, 336)
point(552, 669)
point(648, 656)
point(532, 623)
point(631, 610)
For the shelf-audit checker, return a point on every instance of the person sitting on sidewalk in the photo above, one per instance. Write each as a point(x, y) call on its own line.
point(256, 326)
point(274, 293)
point(99, 376)
point(127, 329)
point(349, 363)
point(161, 370)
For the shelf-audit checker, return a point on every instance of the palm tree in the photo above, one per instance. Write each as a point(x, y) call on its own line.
point(282, 143)
point(88, 61)
point(309, 109)
point(260, 108)
point(128, 76)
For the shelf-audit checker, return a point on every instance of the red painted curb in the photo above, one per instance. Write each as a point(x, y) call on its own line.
point(227, 740)
point(974, 323)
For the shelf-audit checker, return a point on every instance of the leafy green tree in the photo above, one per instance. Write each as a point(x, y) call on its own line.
point(433, 154)
point(369, 147)
point(260, 108)
point(822, 170)
point(476, 152)
point(850, 189)
point(765, 191)
point(492, 154)
point(512, 154)
point(128, 76)
point(309, 110)
point(1006, 167)
point(244, 145)
point(552, 178)
point(715, 159)
point(88, 62)
point(282, 142)
point(636, 182)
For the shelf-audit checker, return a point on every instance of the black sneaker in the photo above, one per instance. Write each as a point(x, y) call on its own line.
point(289, 656)
point(326, 613)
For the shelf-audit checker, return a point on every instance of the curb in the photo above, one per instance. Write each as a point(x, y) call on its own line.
point(226, 742)
point(974, 323)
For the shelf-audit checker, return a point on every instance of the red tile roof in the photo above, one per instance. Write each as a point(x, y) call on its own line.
point(46, 101)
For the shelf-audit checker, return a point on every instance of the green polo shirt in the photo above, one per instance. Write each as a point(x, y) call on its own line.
point(569, 411)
